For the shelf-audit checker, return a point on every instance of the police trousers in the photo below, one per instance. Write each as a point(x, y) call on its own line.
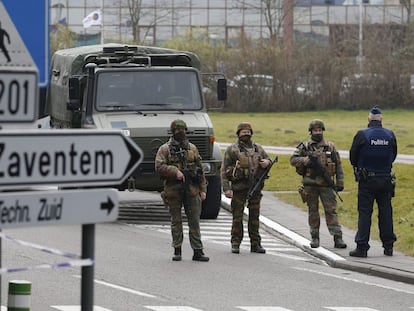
point(378, 189)
point(237, 209)
point(192, 209)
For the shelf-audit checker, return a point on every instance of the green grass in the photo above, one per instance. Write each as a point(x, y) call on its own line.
point(288, 129)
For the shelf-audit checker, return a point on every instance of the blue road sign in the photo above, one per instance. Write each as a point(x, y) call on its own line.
point(31, 18)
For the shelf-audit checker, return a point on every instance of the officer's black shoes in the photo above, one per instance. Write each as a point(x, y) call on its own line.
point(199, 255)
point(235, 249)
point(388, 251)
point(257, 249)
point(314, 243)
point(177, 254)
point(357, 252)
point(339, 243)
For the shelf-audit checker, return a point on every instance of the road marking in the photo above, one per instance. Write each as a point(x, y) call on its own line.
point(264, 309)
point(349, 309)
point(124, 289)
point(354, 280)
point(78, 308)
point(172, 308)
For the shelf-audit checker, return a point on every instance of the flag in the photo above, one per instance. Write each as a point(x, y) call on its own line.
point(94, 18)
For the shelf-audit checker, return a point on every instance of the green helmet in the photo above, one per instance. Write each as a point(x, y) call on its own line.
point(244, 126)
point(178, 124)
point(316, 124)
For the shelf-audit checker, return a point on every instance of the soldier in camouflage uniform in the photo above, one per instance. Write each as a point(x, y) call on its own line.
point(241, 165)
point(178, 162)
point(314, 184)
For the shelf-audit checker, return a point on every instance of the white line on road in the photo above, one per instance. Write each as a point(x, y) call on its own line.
point(355, 280)
point(125, 289)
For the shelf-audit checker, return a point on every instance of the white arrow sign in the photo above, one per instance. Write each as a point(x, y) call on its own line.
point(65, 207)
point(66, 157)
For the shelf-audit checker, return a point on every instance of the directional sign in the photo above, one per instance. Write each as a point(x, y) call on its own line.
point(65, 207)
point(66, 157)
point(18, 75)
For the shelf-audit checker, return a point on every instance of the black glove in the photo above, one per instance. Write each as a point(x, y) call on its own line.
point(309, 163)
point(339, 188)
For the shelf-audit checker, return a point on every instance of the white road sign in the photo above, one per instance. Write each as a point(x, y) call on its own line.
point(64, 207)
point(18, 96)
point(66, 157)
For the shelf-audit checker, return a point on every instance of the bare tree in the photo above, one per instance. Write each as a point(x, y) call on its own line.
point(140, 14)
point(407, 5)
point(273, 12)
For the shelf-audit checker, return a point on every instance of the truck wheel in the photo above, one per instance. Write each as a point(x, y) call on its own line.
point(212, 204)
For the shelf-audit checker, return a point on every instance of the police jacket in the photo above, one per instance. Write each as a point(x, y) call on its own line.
point(374, 148)
point(241, 166)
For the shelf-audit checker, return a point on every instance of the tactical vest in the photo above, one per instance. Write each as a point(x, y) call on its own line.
point(376, 155)
point(181, 157)
point(247, 164)
point(326, 156)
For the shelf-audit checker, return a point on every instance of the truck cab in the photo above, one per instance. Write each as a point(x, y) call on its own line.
point(139, 90)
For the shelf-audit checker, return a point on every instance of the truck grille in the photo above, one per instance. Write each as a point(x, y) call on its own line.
point(150, 145)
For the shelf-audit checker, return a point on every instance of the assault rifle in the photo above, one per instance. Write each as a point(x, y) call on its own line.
point(186, 172)
point(259, 179)
point(322, 172)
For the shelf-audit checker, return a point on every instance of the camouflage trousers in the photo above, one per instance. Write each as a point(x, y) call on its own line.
point(237, 208)
point(192, 208)
point(327, 197)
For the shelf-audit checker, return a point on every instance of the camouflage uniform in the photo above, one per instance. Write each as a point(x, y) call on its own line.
point(238, 172)
point(167, 162)
point(315, 186)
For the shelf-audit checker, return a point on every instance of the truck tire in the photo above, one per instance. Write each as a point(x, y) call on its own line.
point(212, 204)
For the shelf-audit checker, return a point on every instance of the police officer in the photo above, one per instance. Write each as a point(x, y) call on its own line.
point(318, 162)
point(241, 165)
point(179, 164)
point(372, 153)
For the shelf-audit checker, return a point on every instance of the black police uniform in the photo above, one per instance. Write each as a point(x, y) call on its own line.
point(372, 153)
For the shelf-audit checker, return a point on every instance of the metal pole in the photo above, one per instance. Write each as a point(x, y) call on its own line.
point(102, 23)
point(360, 54)
point(88, 251)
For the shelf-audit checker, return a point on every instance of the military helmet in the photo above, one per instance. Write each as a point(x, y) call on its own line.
point(178, 124)
point(316, 124)
point(244, 126)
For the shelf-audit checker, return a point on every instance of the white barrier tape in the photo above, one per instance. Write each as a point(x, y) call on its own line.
point(40, 247)
point(68, 264)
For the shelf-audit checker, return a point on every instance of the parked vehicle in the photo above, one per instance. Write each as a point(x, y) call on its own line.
point(139, 90)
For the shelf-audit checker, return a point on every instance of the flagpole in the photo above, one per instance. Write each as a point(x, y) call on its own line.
point(102, 22)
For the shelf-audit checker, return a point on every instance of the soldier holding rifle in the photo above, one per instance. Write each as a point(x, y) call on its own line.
point(178, 162)
point(318, 162)
point(243, 164)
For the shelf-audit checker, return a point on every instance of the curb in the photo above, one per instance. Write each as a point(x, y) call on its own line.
point(329, 257)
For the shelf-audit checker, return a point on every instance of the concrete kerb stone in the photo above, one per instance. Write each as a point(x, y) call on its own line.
point(290, 237)
point(325, 255)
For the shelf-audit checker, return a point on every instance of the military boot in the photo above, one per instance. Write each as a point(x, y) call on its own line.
point(177, 254)
point(199, 255)
point(315, 241)
point(339, 243)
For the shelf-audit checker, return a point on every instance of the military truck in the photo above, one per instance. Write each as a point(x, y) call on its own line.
point(139, 90)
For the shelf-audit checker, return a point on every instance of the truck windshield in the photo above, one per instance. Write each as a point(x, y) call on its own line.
point(140, 90)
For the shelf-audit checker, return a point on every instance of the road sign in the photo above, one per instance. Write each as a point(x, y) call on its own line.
point(58, 207)
point(18, 95)
point(31, 19)
point(66, 157)
point(18, 74)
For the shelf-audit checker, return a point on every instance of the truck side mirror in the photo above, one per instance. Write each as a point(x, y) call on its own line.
point(222, 89)
point(74, 102)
